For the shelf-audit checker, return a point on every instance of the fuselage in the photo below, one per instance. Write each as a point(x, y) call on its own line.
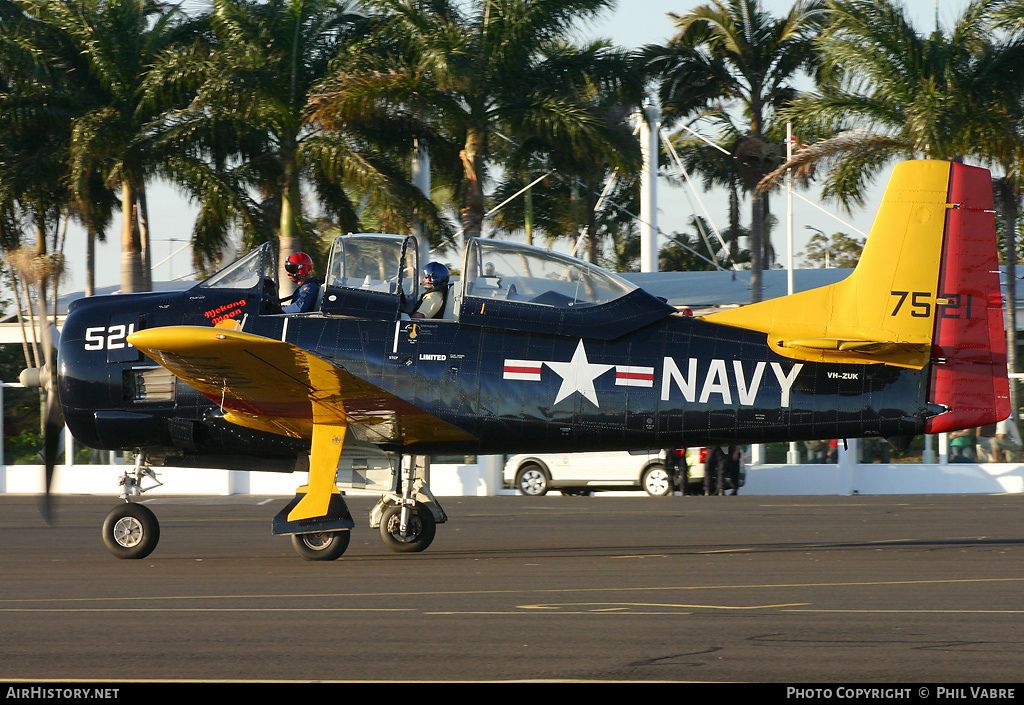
point(677, 381)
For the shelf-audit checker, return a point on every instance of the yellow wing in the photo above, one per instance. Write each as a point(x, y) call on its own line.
point(274, 386)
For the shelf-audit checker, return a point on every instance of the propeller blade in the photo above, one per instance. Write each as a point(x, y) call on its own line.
point(53, 426)
point(53, 423)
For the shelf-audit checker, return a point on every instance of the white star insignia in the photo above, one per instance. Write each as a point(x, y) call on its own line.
point(578, 375)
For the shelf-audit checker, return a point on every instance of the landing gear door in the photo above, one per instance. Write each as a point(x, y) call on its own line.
point(371, 276)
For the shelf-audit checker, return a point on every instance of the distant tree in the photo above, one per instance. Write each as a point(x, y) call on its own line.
point(836, 251)
point(699, 251)
point(623, 252)
point(463, 75)
point(889, 92)
point(715, 168)
point(730, 54)
point(244, 148)
point(89, 68)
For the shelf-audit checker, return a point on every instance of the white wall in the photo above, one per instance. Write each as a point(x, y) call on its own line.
point(484, 480)
point(897, 478)
point(446, 480)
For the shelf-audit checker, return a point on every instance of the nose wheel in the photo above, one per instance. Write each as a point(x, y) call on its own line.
point(131, 531)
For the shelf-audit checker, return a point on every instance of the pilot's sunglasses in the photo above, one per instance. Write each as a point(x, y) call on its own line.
point(291, 267)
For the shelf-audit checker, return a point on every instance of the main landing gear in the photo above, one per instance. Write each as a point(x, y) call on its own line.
point(406, 515)
point(131, 530)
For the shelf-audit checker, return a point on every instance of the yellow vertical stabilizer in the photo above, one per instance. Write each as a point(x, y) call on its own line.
point(885, 310)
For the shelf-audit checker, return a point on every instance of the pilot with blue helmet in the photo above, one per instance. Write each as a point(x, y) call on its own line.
point(435, 291)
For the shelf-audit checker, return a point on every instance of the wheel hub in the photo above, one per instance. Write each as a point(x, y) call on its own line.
point(658, 482)
point(128, 532)
point(412, 529)
point(317, 541)
point(533, 481)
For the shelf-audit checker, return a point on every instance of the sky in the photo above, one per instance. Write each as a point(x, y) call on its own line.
point(633, 23)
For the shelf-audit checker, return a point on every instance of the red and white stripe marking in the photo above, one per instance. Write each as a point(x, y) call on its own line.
point(526, 370)
point(631, 376)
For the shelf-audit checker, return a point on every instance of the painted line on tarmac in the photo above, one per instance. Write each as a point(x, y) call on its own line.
point(525, 591)
point(627, 605)
point(612, 609)
point(910, 611)
point(206, 609)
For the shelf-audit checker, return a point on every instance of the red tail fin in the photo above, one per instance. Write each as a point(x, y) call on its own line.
point(969, 344)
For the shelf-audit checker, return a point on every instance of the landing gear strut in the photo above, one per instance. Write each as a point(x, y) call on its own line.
point(408, 515)
point(131, 530)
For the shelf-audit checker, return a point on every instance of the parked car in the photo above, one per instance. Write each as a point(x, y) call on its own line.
point(583, 473)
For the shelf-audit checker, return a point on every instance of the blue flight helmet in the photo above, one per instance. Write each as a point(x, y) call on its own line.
point(435, 275)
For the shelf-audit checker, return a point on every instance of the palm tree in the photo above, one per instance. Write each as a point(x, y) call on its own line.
point(565, 206)
point(247, 130)
point(716, 167)
point(889, 92)
point(733, 54)
point(458, 76)
point(40, 98)
point(98, 53)
point(591, 194)
point(35, 117)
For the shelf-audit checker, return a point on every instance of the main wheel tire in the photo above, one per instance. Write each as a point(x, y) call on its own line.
point(532, 480)
point(419, 533)
point(131, 531)
point(321, 545)
point(656, 481)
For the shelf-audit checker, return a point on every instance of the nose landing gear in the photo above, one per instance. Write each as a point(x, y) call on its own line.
point(131, 530)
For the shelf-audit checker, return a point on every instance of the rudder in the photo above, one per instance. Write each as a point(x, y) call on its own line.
point(968, 374)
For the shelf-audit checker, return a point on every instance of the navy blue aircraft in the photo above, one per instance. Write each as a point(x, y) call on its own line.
point(533, 351)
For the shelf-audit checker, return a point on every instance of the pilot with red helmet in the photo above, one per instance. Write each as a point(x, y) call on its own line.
point(300, 270)
point(435, 285)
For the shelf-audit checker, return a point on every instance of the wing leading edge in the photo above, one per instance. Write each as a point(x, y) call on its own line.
point(274, 386)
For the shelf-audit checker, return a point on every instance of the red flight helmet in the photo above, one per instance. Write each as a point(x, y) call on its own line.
point(299, 266)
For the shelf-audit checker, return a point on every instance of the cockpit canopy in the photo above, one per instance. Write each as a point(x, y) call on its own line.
point(515, 272)
point(520, 287)
point(500, 285)
point(370, 276)
point(373, 262)
point(246, 272)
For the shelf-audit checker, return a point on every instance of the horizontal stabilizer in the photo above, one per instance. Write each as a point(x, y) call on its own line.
point(876, 348)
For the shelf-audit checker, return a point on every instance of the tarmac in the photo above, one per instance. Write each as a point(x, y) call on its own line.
point(812, 590)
